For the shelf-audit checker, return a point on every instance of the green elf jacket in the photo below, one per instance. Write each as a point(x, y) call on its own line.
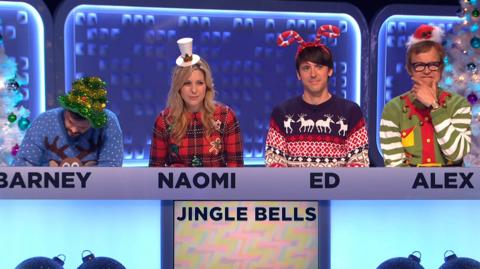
point(414, 135)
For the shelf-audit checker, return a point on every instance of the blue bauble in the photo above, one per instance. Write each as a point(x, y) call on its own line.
point(12, 85)
point(92, 262)
point(474, 28)
point(41, 263)
point(471, 67)
point(412, 262)
point(23, 124)
point(454, 262)
point(448, 68)
point(475, 42)
point(449, 81)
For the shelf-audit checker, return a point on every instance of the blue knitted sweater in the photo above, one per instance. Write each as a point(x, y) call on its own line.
point(46, 143)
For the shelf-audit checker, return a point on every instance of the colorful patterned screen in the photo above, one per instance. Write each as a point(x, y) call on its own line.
point(247, 244)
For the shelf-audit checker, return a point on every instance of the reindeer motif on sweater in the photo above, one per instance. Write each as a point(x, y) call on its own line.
point(66, 161)
point(332, 134)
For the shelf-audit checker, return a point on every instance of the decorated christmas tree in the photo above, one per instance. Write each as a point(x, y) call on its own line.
point(462, 67)
point(13, 117)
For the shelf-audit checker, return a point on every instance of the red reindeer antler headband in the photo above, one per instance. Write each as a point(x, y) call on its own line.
point(288, 37)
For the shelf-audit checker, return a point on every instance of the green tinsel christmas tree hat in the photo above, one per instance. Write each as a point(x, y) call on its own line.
point(87, 98)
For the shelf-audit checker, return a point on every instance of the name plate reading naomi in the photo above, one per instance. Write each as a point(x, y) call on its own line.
point(236, 184)
point(199, 180)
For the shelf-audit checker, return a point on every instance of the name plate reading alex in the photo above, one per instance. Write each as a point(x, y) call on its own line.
point(239, 183)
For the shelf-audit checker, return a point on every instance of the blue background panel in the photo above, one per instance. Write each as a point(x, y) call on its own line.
point(128, 231)
point(392, 77)
point(366, 233)
point(134, 50)
point(23, 34)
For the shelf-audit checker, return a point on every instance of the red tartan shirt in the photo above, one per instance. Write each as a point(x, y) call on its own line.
point(222, 149)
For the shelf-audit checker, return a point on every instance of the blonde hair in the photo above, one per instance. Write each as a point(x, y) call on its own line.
point(177, 116)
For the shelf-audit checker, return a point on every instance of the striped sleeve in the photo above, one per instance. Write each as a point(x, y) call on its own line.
point(452, 128)
point(390, 135)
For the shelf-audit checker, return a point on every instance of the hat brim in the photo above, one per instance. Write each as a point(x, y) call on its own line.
point(180, 62)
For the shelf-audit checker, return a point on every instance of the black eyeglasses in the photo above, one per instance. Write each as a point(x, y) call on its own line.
point(419, 67)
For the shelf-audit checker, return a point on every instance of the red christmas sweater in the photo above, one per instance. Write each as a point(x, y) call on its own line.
point(332, 134)
point(223, 147)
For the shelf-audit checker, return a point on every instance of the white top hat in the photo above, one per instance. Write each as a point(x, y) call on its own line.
point(186, 58)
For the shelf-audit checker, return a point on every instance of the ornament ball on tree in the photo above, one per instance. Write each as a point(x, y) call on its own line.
point(23, 124)
point(472, 98)
point(12, 117)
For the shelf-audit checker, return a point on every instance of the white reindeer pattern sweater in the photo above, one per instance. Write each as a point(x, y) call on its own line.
point(332, 134)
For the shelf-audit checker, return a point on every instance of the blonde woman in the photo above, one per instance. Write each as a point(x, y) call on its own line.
point(194, 130)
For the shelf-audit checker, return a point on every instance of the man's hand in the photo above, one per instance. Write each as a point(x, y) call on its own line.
point(425, 92)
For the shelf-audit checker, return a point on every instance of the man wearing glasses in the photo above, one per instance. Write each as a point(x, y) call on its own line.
point(426, 126)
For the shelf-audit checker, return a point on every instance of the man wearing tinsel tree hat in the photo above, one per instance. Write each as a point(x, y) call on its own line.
point(426, 126)
point(82, 132)
point(318, 128)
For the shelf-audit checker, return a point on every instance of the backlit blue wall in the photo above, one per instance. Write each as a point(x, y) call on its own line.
point(128, 231)
point(366, 233)
point(134, 50)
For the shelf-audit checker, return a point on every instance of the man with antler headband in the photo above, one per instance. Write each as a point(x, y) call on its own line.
point(427, 126)
point(317, 129)
point(80, 133)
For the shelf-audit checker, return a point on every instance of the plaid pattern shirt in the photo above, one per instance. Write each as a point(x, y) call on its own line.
point(222, 149)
